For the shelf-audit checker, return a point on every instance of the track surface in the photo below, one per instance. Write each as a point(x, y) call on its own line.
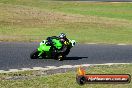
point(16, 55)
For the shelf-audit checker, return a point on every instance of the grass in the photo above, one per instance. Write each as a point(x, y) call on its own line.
point(31, 20)
point(65, 80)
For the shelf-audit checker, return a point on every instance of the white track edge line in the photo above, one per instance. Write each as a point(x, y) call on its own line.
point(60, 67)
point(123, 44)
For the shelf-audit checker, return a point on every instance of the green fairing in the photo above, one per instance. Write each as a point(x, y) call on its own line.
point(57, 43)
point(44, 47)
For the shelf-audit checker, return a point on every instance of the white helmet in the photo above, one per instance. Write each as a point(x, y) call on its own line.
point(62, 35)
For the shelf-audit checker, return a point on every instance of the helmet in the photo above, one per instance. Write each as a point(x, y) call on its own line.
point(62, 35)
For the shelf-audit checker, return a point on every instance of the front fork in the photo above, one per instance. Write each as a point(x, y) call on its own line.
point(40, 53)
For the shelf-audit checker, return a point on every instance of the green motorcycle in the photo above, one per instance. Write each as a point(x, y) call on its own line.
point(45, 50)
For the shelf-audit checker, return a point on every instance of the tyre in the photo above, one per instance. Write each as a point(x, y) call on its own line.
point(67, 51)
point(34, 54)
point(43, 55)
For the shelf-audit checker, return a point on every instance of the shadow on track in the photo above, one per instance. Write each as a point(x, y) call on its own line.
point(68, 58)
point(74, 58)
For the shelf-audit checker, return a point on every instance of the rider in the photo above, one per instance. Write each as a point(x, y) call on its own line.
point(63, 39)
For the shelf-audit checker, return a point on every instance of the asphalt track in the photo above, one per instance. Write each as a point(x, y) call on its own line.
point(16, 55)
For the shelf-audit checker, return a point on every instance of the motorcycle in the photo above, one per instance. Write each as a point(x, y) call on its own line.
point(45, 49)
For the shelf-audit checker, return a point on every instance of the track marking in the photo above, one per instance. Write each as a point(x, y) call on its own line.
point(65, 66)
point(25, 69)
point(122, 44)
point(107, 44)
point(91, 43)
point(116, 2)
point(2, 71)
point(121, 2)
point(38, 68)
point(13, 70)
point(51, 67)
point(55, 67)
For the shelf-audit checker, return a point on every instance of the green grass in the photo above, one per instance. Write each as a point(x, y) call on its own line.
point(65, 80)
point(113, 10)
point(31, 20)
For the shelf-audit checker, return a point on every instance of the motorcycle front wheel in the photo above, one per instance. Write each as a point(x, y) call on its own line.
point(34, 54)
